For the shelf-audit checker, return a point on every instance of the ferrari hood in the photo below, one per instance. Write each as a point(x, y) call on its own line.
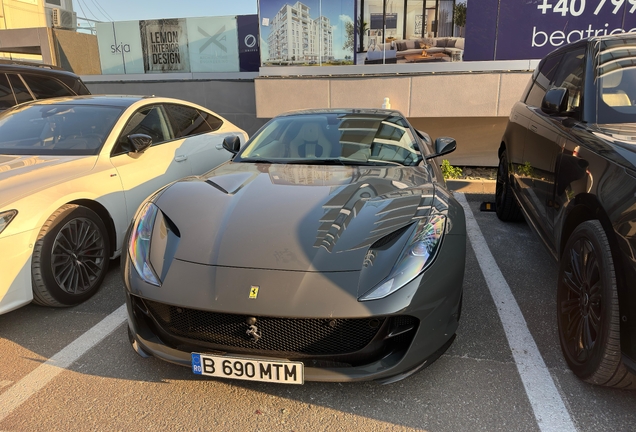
point(293, 217)
point(27, 174)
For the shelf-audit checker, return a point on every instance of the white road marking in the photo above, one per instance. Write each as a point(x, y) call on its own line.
point(549, 409)
point(43, 374)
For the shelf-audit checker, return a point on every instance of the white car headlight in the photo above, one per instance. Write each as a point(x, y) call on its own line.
point(419, 253)
point(6, 218)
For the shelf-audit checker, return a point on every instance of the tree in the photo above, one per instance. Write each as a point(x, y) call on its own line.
point(460, 15)
point(348, 45)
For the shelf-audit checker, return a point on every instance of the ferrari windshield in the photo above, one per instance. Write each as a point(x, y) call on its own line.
point(334, 138)
point(616, 81)
point(56, 129)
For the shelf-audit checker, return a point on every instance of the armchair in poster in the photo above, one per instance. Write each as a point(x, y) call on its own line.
point(204, 44)
point(513, 29)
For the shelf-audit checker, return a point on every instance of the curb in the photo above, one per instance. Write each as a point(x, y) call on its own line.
point(479, 186)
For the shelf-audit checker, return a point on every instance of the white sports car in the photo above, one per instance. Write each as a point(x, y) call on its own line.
point(73, 172)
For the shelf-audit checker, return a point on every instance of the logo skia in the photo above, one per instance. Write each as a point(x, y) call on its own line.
point(218, 37)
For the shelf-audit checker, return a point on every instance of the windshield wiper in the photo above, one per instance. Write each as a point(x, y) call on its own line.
point(259, 160)
point(330, 161)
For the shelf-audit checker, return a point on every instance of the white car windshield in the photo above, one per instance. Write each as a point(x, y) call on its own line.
point(56, 129)
point(337, 138)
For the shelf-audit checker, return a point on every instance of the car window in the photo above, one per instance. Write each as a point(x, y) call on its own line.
point(44, 87)
point(547, 70)
point(6, 95)
point(150, 121)
point(56, 129)
point(214, 122)
point(570, 76)
point(186, 121)
point(616, 81)
point(19, 89)
point(74, 83)
point(351, 138)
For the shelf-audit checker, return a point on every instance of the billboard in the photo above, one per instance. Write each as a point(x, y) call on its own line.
point(206, 44)
point(530, 29)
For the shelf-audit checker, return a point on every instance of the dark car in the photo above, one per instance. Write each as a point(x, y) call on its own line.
point(567, 162)
point(328, 249)
point(20, 82)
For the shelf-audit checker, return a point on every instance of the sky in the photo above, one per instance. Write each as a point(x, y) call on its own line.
point(125, 10)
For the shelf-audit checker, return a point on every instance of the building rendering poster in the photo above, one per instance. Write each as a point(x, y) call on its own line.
point(307, 32)
point(213, 44)
point(120, 49)
point(165, 45)
point(514, 30)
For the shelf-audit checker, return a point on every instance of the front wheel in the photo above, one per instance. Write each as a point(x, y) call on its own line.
point(70, 257)
point(505, 203)
point(587, 309)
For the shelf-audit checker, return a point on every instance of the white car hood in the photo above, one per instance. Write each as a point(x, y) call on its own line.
point(28, 174)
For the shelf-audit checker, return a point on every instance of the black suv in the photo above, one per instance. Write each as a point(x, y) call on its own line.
point(20, 82)
point(567, 163)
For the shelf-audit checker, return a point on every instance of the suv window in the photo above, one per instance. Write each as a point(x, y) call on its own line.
point(43, 87)
point(148, 120)
point(570, 76)
point(21, 92)
point(186, 121)
point(6, 95)
point(547, 70)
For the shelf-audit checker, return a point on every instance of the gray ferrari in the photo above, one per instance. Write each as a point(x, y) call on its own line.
point(327, 249)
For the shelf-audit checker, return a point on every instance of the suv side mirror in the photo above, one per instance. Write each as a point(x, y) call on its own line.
point(555, 101)
point(232, 144)
point(140, 142)
point(443, 145)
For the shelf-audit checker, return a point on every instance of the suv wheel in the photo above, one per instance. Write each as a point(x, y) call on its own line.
point(505, 204)
point(587, 309)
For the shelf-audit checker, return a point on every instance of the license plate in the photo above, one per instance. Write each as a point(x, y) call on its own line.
point(284, 372)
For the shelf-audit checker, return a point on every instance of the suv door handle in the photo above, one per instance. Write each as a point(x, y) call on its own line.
point(180, 158)
point(533, 128)
point(219, 146)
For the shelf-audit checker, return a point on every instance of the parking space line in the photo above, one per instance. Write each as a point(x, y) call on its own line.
point(547, 404)
point(43, 374)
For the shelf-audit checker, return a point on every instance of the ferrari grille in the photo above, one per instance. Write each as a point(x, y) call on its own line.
point(289, 335)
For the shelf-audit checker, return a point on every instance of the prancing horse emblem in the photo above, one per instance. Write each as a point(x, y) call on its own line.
point(252, 330)
point(253, 292)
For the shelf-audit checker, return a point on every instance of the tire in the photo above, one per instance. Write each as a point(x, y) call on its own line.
point(70, 257)
point(587, 309)
point(506, 205)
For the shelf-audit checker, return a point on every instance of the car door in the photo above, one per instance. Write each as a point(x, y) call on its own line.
point(163, 162)
point(546, 137)
point(201, 135)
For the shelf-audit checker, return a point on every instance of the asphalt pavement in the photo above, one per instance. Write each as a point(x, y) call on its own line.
point(63, 369)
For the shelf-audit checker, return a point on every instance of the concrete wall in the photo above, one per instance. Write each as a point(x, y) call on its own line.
point(233, 100)
point(22, 14)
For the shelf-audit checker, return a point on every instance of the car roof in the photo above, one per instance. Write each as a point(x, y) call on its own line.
point(111, 100)
point(34, 69)
point(363, 111)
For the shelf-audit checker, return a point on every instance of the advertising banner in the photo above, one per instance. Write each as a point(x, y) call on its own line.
point(307, 32)
point(249, 48)
point(213, 44)
point(120, 49)
point(530, 29)
point(165, 45)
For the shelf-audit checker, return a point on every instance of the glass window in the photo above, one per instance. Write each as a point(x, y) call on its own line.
point(19, 89)
point(6, 95)
point(150, 121)
point(214, 122)
point(56, 129)
point(547, 70)
point(44, 87)
point(186, 121)
point(570, 76)
point(616, 81)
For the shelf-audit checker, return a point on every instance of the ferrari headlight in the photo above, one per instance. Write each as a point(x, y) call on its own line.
point(6, 218)
point(419, 253)
point(139, 246)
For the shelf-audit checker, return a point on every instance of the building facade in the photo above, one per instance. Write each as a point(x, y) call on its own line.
point(297, 38)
